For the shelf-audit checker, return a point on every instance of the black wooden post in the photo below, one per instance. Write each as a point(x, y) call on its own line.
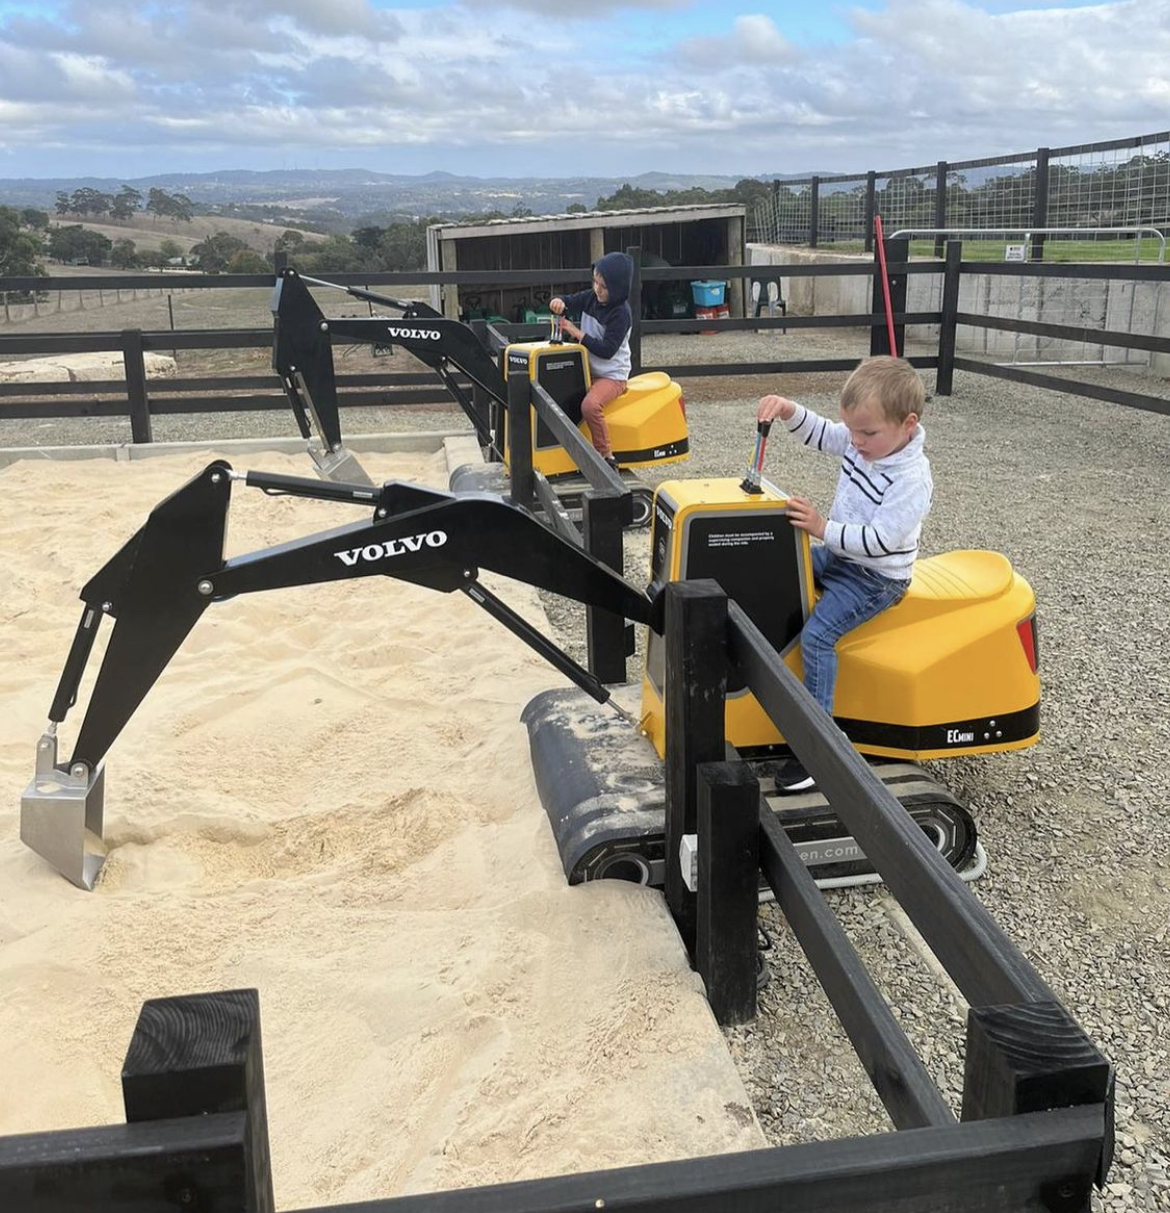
point(520, 437)
point(135, 365)
point(940, 204)
point(486, 405)
point(728, 888)
point(200, 1054)
point(636, 308)
point(1034, 1057)
point(695, 657)
point(1040, 203)
point(602, 527)
point(814, 208)
point(897, 252)
point(870, 208)
point(945, 377)
point(1030, 1057)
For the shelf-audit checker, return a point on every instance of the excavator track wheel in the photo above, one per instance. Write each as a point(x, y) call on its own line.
point(643, 508)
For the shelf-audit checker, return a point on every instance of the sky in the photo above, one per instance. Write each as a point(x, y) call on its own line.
point(562, 88)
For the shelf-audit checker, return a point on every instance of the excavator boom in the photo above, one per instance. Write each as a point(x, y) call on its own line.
point(157, 586)
point(302, 353)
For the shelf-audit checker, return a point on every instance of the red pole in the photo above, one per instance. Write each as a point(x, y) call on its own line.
point(881, 248)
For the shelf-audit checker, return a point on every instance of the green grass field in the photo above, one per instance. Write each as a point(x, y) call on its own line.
point(1146, 251)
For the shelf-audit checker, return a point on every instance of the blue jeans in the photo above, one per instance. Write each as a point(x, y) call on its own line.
point(851, 595)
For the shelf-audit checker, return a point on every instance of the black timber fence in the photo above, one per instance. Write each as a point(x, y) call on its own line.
point(139, 398)
point(1035, 1129)
point(196, 1138)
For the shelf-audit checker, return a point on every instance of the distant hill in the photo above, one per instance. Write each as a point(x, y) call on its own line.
point(346, 194)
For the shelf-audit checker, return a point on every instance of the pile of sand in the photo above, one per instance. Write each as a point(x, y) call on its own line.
point(82, 368)
point(327, 796)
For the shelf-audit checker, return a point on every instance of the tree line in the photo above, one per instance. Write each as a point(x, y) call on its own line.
point(1100, 196)
point(399, 245)
point(88, 203)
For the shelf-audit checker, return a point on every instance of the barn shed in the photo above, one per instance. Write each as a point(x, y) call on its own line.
point(702, 234)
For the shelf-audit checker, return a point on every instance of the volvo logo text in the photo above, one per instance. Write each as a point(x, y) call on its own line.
point(423, 334)
point(392, 547)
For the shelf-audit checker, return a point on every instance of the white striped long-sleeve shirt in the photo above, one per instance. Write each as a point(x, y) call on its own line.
point(877, 512)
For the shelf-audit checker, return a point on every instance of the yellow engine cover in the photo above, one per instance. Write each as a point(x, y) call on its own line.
point(948, 670)
point(647, 423)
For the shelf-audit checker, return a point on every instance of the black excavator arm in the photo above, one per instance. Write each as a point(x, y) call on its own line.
point(302, 352)
point(163, 579)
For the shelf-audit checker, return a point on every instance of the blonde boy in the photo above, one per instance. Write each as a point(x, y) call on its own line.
point(870, 538)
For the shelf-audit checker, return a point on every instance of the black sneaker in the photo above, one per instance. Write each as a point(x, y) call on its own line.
point(794, 778)
point(613, 463)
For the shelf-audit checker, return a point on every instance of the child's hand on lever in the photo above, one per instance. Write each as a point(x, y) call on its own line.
point(772, 407)
point(804, 515)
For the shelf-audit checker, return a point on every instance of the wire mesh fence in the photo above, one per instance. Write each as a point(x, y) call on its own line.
point(1121, 183)
point(1106, 185)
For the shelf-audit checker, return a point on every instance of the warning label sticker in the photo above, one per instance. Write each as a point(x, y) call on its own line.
point(739, 539)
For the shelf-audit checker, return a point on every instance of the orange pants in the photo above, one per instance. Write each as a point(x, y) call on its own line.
point(601, 393)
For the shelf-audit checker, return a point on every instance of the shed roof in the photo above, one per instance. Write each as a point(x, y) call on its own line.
point(637, 217)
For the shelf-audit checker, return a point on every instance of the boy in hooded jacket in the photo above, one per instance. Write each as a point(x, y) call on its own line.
point(604, 331)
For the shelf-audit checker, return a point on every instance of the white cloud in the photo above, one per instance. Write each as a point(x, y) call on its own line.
point(753, 40)
point(919, 80)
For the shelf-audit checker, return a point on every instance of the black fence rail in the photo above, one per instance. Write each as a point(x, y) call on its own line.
point(196, 1137)
point(1035, 1129)
point(138, 397)
point(1024, 1052)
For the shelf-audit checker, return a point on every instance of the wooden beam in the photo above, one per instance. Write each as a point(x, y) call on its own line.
point(195, 1163)
point(603, 519)
point(136, 393)
point(197, 1055)
point(520, 437)
point(728, 888)
point(900, 1079)
point(696, 682)
point(1032, 1058)
point(987, 1166)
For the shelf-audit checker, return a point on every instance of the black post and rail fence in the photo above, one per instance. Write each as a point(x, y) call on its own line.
point(606, 507)
point(139, 398)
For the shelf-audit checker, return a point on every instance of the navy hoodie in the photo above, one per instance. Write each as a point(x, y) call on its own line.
point(606, 326)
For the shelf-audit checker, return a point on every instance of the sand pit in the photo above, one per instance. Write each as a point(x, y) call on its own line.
point(327, 796)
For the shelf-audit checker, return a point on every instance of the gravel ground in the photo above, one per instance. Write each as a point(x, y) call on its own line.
point(1074, 492)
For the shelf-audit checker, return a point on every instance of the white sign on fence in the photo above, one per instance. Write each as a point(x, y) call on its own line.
point(1015, 252)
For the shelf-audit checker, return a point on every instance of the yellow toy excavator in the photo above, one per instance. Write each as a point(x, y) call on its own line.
point(647, 424)
point(950, 670)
